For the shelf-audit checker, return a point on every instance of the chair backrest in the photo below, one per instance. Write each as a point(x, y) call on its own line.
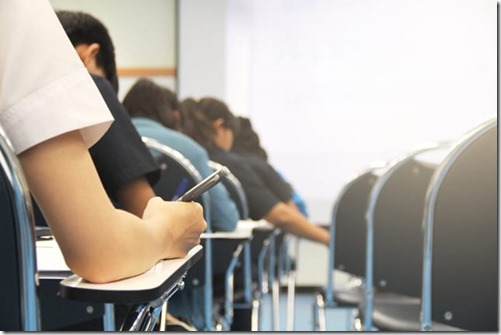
point(460, 273)
point(19, 302)
point(234, 188)
point(347, 229)
point(178, 176)
point(398, 231)
point(348, 224)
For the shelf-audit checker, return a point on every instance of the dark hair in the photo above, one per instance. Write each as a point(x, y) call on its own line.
point(196, 125)
point(215, 109)
point(147, 99)
point(246, 140)
point(83, 28)
point(199, 117)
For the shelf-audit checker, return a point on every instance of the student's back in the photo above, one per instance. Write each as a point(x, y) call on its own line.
point(224, 213)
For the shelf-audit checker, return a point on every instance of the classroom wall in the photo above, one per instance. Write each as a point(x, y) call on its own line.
point(144, 35)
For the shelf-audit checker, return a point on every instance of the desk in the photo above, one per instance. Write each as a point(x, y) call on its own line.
point(155, 285)
point(263, 245)
point(251, 224)
point(50, 260)
point(227, 247)
point(147, 286)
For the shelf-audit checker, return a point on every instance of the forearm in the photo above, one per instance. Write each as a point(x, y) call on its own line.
point(123, 246)
point(98, 242)
point(291, 220)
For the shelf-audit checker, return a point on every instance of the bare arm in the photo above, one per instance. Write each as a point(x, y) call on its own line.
point(99, 242)
point(290, 219)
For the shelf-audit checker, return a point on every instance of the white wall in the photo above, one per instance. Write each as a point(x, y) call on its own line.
point(143, 33)
point(201, 48)
point(332, 85)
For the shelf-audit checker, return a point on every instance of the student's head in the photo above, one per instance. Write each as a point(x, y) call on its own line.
point(209, 122)
point(246, 140)
point(147, 99)
point(92, 43)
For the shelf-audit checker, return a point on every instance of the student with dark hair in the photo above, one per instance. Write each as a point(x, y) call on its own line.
point(212, 124)
point(124, 164)
point(155, 112)
point(52, 113)
point(246, 142)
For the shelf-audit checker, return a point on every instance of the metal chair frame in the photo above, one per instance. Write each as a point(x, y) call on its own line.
point(389, 171)
point(195, 175)
point(322, 302)
point(429, 210)
point(25, 235)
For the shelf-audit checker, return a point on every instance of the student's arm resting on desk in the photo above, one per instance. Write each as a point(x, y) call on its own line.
point(99, 242)
point(293, 221)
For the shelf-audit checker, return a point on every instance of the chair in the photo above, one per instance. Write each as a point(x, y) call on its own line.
point(147, 292)
point(394, 241)
point(234, 188)
point(255, 253)
point(286, 272)
point(460, 269)
point(19, 307)
point(178, 175)
point(346, 254)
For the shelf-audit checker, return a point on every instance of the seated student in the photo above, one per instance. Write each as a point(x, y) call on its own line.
point(52, 112)
point(155, 114)
point(211, 123)
point(246, 142)
point(124, 164)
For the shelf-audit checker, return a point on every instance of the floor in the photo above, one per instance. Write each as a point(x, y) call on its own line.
point(336, 320)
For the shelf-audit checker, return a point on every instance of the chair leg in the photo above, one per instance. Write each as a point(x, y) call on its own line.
point(319, 321)
point(109, 318)
point(163, 318)
point(256, 310)
point(276, 304)
point(291, 285)
point(291, 300)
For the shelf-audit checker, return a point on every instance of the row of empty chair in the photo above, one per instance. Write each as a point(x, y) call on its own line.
point(419, 238)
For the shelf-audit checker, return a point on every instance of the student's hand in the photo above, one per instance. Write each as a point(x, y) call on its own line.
point(181, 224)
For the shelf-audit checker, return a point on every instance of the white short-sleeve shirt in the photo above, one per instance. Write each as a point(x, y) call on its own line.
point(45, 90)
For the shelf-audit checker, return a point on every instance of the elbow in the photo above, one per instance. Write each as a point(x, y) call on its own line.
point(279, 215)
point(93, 271)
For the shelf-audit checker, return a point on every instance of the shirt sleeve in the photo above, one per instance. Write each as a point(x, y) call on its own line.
point(45, 90)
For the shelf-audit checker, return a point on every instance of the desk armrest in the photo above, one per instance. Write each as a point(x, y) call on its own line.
point(255, 225)
point(145, 287)
point(239, 234)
